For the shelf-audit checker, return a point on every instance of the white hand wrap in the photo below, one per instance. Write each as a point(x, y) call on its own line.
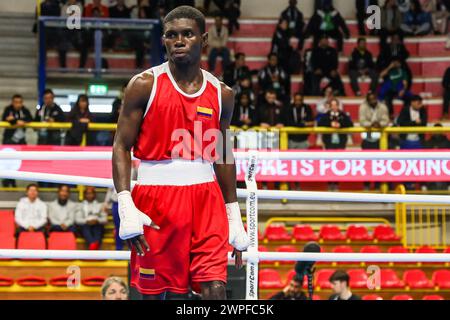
point(132, 220)
point(238, 236)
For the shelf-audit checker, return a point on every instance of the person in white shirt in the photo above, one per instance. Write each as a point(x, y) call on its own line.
point(62, 211)
point(31, 212)
point(92, 219)
point(217, 42)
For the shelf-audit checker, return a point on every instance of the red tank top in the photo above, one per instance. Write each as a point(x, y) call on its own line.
point(178, 125)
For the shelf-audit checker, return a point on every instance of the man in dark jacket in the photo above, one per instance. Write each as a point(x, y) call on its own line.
point(293, 291)
point(49, 112)
point(299, 115)
point(361, 64)
point(329, 22)
point(294, 18)
point(336, 119)
point(271, 111)
point(324, 60)
point(413, 115)
point(245, 113)
point(446, 86)
point(274, 77)
point(361, 13)
point(236, 70)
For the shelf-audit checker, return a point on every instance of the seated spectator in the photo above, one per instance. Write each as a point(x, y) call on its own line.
point(236, 70)
point(308, 73)
point(403, 5)
point(327, 22)
point(361, 64)
point(245, 85)
point(319, 4)
point(440, 14)
point(120, 10)
point(391, 20)
point(217, 42)
point(62, 211)
point(31, 212)
point(337, 119)
point(437, 141)
point(75, 38)
point(230, 9)
point(49, 8)
point(372, 115)
point(340, 284)
point(413, 115)
point(323, 106)
point(281, 44)
point(395, 85)
point(49, 112)
point(79, 116)
point(16, 114)
point(293, 291)
point(114, 288)
point(416, 22)
point(271, 111)
point(325, 64)
point(91, 219)
point(361, 14)
point(446, 86)
point(294, 18)
point(299, 115)
point(245, 114)
point(103, 11)
point(273, 77)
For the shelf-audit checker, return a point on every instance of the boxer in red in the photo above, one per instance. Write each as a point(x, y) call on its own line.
point(183, 212)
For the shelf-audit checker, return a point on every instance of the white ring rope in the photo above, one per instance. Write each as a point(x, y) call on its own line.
point(270, 155)
point(266, 256)
point(243, 193)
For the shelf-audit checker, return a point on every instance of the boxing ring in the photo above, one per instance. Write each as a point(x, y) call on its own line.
point(251, 194)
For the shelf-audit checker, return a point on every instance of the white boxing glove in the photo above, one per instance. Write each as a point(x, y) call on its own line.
point(238, 236)
point(132, 220)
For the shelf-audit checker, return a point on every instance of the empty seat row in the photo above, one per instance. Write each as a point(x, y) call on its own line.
point(414, 279)
point(278, 232)
point(37, 241)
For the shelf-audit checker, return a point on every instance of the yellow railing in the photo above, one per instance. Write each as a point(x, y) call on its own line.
point(421, 224)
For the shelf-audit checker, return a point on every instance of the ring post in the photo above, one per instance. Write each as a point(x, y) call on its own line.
point(251, 292)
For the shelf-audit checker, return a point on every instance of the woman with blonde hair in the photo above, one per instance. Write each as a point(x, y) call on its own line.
point(114, 288)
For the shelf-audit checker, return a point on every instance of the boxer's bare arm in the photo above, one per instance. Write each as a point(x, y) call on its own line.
point(135, 101)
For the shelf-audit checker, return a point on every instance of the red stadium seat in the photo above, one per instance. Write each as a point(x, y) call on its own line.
point(96, 281)
point(447, 250)
point(343, 249)
point(291, 276)
point(31, 240)
point(416, 279)
point(402, 297)
point(383, 232)
point(59, 281)
point(425, 249)
point(441, 278)
point(7, 241)
point(262, 248)
point(286, 248)
point(398, 249)
point(370, 249)
point(389, 279)
point(358, 278)
point(372, 297)
point(277, 232)
point(304, 233)
point(358, 233)
point(316, 297)
point(433, 297)
point(323, 278)
point(8, 226)
point(62, 241)
point(331, 232)
point(31, 281)
point(6, 281)
point(270, 279)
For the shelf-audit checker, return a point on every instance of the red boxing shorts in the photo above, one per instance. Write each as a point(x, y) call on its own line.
point(191, 246)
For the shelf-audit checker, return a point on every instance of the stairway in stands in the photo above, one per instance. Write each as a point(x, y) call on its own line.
point(18, 58)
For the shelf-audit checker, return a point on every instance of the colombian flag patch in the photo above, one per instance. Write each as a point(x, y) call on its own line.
point(204, 112)
point(148, 274)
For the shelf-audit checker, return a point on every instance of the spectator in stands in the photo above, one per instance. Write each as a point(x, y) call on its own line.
point(115, 288)
point(293, 291)
point(217, 42)
point(230, 9)
point(79, 116)
point(236, 70)
point(72, 37)
point(361, 64)
point(337, 119)
point(245, 85)
point(96, 5)
point(372, 115)
point(273, 77)
point(49, 8)
point(91, 219)
point(281, 44)
point(324, 60)
point(62, 211)
point(31, 212)
point(16, 114)
point(416, 22)
point(413, 115)
point(319, 4)
point(308, 72)
point(403, 5)
point(391, 20)
point(271, 111)
point(327, 22)
point(120, 10)
point(245, 114)
point(300, 115)
point(446, 86)
point(340, 284)
point(49, 112)
point(361, 13)
point(323, 106)
point(395, 84)
point(296, 24)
